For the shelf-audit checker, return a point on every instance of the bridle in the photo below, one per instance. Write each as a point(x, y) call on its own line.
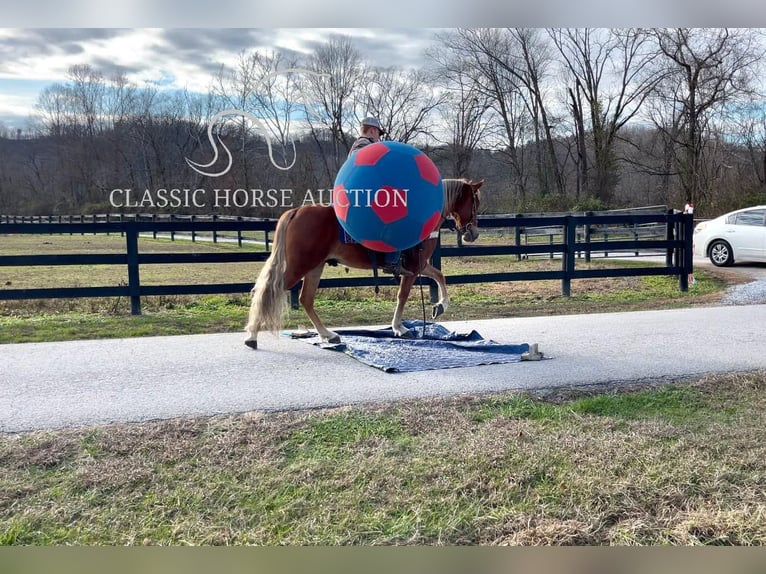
point(474, 212)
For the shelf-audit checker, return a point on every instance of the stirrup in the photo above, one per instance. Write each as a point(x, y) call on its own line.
point(396, 269)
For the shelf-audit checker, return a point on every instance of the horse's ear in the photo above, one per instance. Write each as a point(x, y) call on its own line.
point(477, 184)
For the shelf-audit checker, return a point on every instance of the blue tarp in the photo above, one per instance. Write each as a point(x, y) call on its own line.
point(436, 348)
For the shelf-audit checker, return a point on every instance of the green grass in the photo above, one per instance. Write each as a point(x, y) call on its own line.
point(675, 464)
point(652, 466)
point(57, 320)
point(517, 407)
point(328, 437)
point(66, 319)
point(174, 317)
point(671, 403)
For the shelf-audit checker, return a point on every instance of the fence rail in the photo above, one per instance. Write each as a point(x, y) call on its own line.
point(574, 236)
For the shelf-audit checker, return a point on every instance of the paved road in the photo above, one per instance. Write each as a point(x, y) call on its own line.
point(55, 385)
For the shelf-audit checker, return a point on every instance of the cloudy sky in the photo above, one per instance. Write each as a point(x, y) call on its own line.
point(32, 59)
point(185, 51)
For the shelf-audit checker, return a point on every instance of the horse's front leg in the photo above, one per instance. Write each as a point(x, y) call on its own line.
point(403, 293)
point(308, 292)
point(441, 305)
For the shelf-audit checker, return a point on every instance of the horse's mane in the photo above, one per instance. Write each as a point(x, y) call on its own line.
point(452, 190)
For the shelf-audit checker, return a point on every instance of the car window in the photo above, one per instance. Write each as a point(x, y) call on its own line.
point(751, 217)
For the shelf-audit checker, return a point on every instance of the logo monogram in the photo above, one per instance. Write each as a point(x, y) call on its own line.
point(202, 168)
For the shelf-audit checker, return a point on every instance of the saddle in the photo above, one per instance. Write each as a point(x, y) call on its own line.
point(376, 257)
point(344, 237)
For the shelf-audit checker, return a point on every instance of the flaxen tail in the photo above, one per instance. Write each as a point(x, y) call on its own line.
point(269, 303)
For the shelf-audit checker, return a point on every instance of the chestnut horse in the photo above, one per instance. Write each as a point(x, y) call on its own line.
point(307, 237)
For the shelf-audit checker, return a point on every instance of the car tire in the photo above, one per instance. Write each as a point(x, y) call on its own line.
point(720, 253)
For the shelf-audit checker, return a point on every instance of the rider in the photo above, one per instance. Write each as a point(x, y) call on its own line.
point(370, 132)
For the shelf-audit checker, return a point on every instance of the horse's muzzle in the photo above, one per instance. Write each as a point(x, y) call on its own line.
point(471, 234)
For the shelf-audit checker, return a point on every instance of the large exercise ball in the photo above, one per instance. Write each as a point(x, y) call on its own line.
point(388, 196)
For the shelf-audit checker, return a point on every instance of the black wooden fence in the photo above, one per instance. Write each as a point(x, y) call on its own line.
point(570, 237)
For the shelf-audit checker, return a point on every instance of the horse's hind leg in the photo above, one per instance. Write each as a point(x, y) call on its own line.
point(308, 292)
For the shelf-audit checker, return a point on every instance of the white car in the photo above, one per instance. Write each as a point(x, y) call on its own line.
point(736, 236)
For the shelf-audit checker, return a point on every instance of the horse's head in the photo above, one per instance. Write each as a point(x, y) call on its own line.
point(466, 208)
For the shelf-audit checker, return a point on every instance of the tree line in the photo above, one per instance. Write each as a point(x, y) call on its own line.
point(553, 119)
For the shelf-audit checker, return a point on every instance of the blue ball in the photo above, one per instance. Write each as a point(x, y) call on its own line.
point(388, 196)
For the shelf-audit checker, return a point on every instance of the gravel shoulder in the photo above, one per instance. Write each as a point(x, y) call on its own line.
point(750, 278)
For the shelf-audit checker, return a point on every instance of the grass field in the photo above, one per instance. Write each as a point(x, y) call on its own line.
point(677, 464)
point(65, 319)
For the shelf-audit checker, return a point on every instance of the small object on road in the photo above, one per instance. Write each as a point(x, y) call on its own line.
point(533, 354)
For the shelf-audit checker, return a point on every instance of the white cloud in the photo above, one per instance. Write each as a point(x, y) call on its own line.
point(171, 58)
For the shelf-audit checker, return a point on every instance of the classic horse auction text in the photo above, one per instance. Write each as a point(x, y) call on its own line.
point(239, 197)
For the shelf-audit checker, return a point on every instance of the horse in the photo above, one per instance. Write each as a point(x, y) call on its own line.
point(308, 237)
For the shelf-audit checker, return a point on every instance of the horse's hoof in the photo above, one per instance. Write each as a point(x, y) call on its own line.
point(335, 339)
point(437, 310)
point(406, 334)
point(252, 343)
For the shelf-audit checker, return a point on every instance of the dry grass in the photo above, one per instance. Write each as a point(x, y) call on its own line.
point(682, 464)
point(63, 319)
point(674, 465)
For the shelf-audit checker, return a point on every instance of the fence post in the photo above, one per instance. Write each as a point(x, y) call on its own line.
point(671, 233)
point(134, 283)
point(518, 241)
point(687, 227)
point(239, 232)
point(215, 231)
point(568, 257)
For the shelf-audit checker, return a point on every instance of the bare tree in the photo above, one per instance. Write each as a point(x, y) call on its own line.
point(707, 71)
point(88, 91)
point(334, 97)
point(267, 88)
point(54, 108)
point(119, 100)
point(465, 113)
point(403, 100)
point(463, 110)
point(512, 65)
point(609, 81)
point(751, 129)
point(232, 89)
point(664, 111)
